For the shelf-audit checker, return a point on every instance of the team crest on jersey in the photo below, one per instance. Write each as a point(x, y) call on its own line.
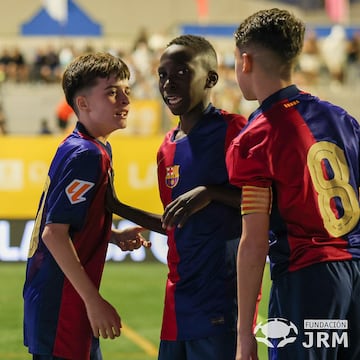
point(77, 189)
point(172, 176)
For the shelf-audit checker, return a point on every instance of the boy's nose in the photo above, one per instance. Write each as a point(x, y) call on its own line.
point(124, 99)
point(169, 84)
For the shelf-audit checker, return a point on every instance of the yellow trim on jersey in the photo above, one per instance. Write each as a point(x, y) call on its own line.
point(256, 200)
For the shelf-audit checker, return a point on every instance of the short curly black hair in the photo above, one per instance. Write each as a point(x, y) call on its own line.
point(200, 46)
point(275, 29)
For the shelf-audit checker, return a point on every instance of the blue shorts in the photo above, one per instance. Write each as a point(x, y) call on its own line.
point(315, 313)
point(95, 353)
point(221, 347)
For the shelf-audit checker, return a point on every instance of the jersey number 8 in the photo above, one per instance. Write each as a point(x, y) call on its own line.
point(333, 187)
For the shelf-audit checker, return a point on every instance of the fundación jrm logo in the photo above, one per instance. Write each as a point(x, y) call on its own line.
point(279, 332)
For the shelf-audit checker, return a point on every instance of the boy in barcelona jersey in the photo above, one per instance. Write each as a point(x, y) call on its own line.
point(297, 162)
point(64, 313)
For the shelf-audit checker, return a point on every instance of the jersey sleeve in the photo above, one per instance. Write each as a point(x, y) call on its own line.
point(236, 123)
point(72, 189)
point(248, 160)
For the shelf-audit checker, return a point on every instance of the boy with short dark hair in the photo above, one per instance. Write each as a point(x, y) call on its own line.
point(201, 209)
point(297, 162)
point(200, 301)
point(64, 313)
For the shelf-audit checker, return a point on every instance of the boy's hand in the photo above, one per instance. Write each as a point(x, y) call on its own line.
point(178, 211)
point(104, 320)
point(129, 239)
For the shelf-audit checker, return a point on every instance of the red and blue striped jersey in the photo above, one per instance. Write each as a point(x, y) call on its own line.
point(200, 298)
point(307, 151)
point(55, 319)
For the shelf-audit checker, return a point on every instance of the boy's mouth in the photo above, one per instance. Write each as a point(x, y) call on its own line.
point(173, 100)
point(122, 114)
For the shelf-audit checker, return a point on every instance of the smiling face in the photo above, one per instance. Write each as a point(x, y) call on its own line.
point(183, 80)
point(104, 108)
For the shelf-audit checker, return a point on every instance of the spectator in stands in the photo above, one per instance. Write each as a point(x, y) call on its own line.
point(47, 65)
point(63, 114)
point(3, 130)
point(334, 52)
point(66, 54)
point(353, 59)
point(310, 60)
point(44, 127)
point(4, 62)
point(142, 54)
point(17, 69)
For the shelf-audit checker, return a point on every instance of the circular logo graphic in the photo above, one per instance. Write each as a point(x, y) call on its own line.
point(276, 332)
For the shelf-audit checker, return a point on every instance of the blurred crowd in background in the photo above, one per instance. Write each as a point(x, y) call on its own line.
point(332, 61)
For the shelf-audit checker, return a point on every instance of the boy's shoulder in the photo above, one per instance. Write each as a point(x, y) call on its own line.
point(236, 119)
point(76, 146)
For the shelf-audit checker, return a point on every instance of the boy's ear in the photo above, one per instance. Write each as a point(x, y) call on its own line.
point(247, 62)
point(212, 79)
point(81, 102)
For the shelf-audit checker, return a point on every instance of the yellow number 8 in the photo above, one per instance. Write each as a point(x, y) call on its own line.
point(336, 187)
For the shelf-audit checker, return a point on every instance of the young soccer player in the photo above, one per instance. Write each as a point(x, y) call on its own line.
point(297, 158)
point(201, 216)
point(200, 301)
point(64, 314)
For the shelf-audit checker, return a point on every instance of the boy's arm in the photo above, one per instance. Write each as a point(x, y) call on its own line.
point(251, 258)
point(104, 319)
point(178, 211)
point(143, 218)
point(140, 217)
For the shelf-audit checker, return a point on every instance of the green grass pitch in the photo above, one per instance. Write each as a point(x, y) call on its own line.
point(135, 289)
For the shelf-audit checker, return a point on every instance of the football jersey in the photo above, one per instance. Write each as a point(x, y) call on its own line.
point(55, 319)
point(307, 151)
point(200, 298)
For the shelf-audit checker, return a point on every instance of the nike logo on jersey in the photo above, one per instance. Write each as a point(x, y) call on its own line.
point(77, 189)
